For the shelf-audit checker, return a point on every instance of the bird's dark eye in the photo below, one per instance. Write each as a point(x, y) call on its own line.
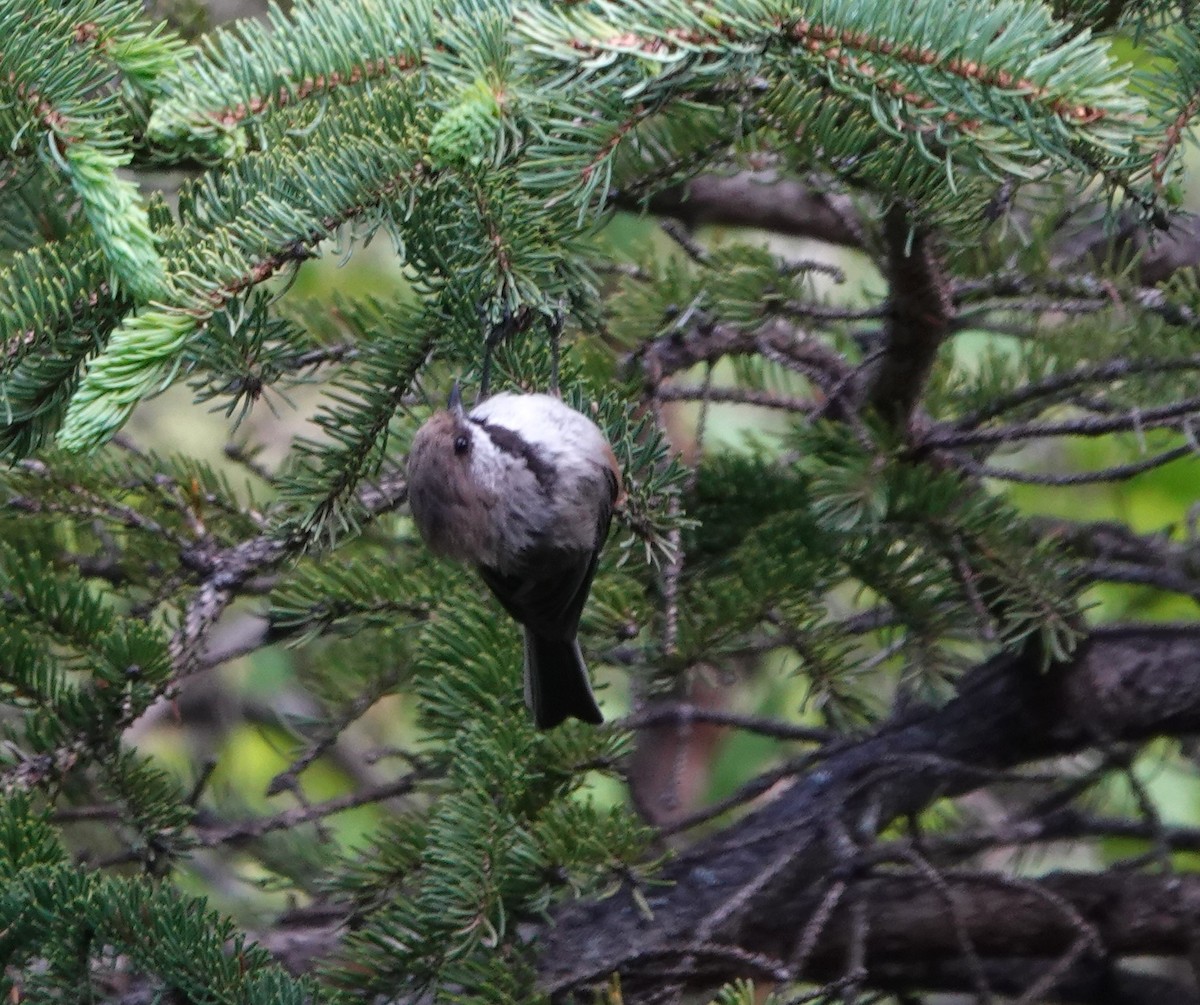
point(461, 443)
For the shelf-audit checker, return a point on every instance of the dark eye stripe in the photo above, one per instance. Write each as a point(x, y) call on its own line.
point(517, 446)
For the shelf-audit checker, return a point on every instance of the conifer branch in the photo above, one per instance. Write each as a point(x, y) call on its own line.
point(1173, 415)
point(736, 395)
point(1007, 712)
point(1114, 473)
point(707, 342)
point(919, 318)
point(224, 572)
point(251, 69)
point(62, 94)
point(488, 141)
point(1172, 139)
point(1052, 388)
point(212, 834)
point(861, 50)
point(235, 258)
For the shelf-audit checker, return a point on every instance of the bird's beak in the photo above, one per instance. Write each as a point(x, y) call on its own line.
point(455, 401)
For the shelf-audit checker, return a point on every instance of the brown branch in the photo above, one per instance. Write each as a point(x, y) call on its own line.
point(211, 834)
point(302, 90)
point(1085, 984)
point(759, 199)
point(706, 341)
point(1115, 473)
point(1128, 684)
point(736, 396)
point(684, 714)
point(918, 322)
point(920, 921)
point(1129, 420)
point(1172, 138)
point(1049, 389)
point(226, 571)
point(763, 199)
point(1129, 914)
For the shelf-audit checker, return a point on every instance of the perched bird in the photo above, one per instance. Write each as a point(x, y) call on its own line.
point(522, 487)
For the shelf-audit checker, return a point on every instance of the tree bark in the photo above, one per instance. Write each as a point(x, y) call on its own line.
point(742, 899)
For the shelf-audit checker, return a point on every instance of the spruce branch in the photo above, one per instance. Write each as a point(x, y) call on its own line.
point(982, 91)
point(1172, 81)
point(253, 68)
point(1114, 473)
point(1050, 390)
point(738, 396)
point(62, 94)
point(919, 318)
point(1174, 415)
point(1006, 712)
point(762, 199)
point(357, 180)
point(58, 305)
point(841, 572)
point(1172, 139)
point(708, 342)
point(212, 833)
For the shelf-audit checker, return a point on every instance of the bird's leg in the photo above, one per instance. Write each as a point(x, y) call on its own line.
point(554, 327)
point(495, 336)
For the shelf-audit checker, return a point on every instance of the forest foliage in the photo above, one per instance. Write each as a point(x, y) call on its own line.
point(1004, 168)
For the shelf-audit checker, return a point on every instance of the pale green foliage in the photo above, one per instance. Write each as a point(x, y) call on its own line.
point(486, 142)
point(57, 64)
point(391, 115)
point(911, 98)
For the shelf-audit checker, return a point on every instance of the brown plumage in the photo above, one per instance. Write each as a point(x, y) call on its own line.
point(523, 488)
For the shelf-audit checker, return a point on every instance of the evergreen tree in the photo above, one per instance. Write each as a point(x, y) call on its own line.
point(870, 580)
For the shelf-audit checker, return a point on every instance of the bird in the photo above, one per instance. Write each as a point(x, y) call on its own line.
point(523, 487)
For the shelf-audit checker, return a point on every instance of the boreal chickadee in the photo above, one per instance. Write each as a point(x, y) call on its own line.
point(522, 487)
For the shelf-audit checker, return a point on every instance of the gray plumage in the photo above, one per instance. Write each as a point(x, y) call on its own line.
point(523, 488)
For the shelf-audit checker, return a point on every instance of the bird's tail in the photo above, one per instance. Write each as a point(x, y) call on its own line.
point(556, 682)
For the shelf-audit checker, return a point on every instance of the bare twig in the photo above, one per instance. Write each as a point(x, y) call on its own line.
point(1126, 421)
point(214, 835)
point(1116, 473)
point(736, 396)
point(680, 713)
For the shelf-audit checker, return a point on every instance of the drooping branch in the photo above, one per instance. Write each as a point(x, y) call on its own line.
point(1019, 932)
point(1128, 684)
point(760, 199)
point(225, 571)
point(766, 200)
point(707, 342)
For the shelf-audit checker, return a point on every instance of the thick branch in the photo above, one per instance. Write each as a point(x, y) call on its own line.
point(1130, 914)
point(759, 199)
point(1017, 931)
point(1127, 684)
point(919, 320)
point(764, 200)
point(1086, 983)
